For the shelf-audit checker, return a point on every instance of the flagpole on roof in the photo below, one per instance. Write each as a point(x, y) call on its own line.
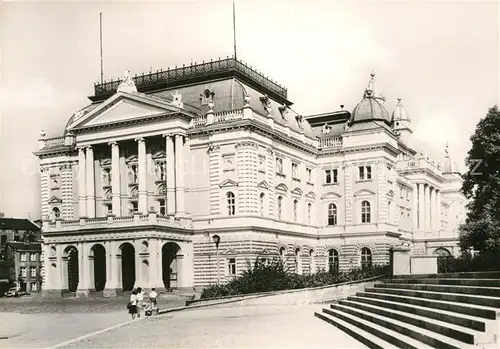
point(234, 29)
point(100, 41)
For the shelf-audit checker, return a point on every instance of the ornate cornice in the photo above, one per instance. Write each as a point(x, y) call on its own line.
point(243, 144)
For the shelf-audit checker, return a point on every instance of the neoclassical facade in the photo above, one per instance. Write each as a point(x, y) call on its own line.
point(158, 167)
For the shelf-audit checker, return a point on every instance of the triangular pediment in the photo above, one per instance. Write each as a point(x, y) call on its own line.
point(54, 200)
point(123, 107)
point(228, 183)
point(229, 251)
point(263, 185)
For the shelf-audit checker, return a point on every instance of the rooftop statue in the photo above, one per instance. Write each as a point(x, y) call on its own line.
point(127, 84)
point(177, 100)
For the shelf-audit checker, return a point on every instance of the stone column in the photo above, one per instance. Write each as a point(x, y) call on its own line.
point(414, 206)
point(428, 210)
point(143, 199)
point(433, 209)
point(83, 261)
point(426, 207)
point(179, 173)
point(170, 160)
point(82, 191)
point(111, 270)
point(90, 183)
point(115, 178)
point(438, 210)
point(421, 206)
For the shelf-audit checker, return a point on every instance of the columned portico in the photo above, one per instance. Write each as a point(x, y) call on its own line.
point(170, 159)
point(90, 183)
point(141, 155)
point(115, 178)
point(179, 173)
point(82, 194)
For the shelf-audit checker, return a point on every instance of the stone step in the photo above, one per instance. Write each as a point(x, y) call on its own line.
point(379, 336)
point(472, 310)
point(466, 321)
point(447, 281)
point(449, 330)
point(473, 275)
point(493, 302)
point(364, 337)
point(472, 290)
point(422, 335)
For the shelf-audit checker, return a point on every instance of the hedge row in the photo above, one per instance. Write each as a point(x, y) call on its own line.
point(468, 263)
point(274, 277)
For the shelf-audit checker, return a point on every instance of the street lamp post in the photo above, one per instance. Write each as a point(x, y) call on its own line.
point(216, 239)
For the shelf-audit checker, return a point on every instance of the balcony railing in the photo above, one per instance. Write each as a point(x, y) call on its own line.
point(116, 222)
point(418, 164)
point(332, 142)
point(228, 115)
point(55, 142)
point(193, 71)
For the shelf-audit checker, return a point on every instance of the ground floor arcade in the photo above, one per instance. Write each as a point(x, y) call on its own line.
point(117, 265)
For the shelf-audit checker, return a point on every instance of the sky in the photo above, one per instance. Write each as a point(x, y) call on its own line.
point(441, 58)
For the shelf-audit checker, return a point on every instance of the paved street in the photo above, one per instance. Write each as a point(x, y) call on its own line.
point(31, 322)
point(227, 327)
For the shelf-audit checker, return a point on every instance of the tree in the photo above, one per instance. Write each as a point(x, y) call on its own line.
point(481, 184)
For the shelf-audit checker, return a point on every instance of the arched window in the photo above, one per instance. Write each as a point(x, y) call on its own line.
point(442, 252)
point(333, 261)
point(231, 204)
point(297, 261)
point(280, 206)
point(282, 253)
point(261, 202)
point(332, 214)
point(309, 210)
point(312, 263)
point(366, 258)
point(56, 213)
point(295, 208)
point(365, 212)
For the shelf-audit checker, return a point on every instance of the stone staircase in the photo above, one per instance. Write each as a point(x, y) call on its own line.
point(449, 311)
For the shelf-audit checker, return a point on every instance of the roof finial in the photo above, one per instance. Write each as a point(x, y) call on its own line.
point(369, 91)
point(446, 149)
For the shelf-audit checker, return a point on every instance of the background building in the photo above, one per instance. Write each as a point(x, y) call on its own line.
point(144, 178)
point(20, 254)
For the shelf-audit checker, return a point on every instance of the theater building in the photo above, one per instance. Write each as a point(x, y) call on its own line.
point(144, 180)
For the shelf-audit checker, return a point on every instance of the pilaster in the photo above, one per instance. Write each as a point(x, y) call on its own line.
point(215, 173)
point(270, 179)
point(83, 288)
point(246, 153)
point(179, 174)
point(82, 185)
point(111, 269)
point(90, 183)
point(348, 193)
point(115, 179)
point(44, 190)
point(141, 155)
point(67, 191)
point(170, 161)
point(382, 200)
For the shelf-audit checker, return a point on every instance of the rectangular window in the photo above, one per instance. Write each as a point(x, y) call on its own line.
point(33, 257)
point(33, 271)
point(23, 271)
point(163, 207)
point(109, 209)
point(295, 171)
point(34, 287)
point(331, 176)
point(365, 173)
point(133, 207)
point(231, 266)
point(4, 239)
point(309, 175)
point(24, 257)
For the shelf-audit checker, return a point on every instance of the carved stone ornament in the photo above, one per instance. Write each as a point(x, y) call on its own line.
point(212, 147)
point(248, 99)
point(42, 134)
point(127, 84)
point(326, 128)
point(207, 97)
point(270, 150)
point(177, 100)
point(246, 144)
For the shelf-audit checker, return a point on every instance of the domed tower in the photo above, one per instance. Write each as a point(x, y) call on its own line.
point(401, 122)
point(371, 109)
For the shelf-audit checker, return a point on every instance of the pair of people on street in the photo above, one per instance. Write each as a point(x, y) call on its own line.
point(136, 303)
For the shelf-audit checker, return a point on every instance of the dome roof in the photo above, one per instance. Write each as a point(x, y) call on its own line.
point(449, 166)
point(400, 113)
point(371, 107)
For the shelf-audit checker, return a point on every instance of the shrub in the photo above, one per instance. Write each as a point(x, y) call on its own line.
point(468, 263)
point(274, 277)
